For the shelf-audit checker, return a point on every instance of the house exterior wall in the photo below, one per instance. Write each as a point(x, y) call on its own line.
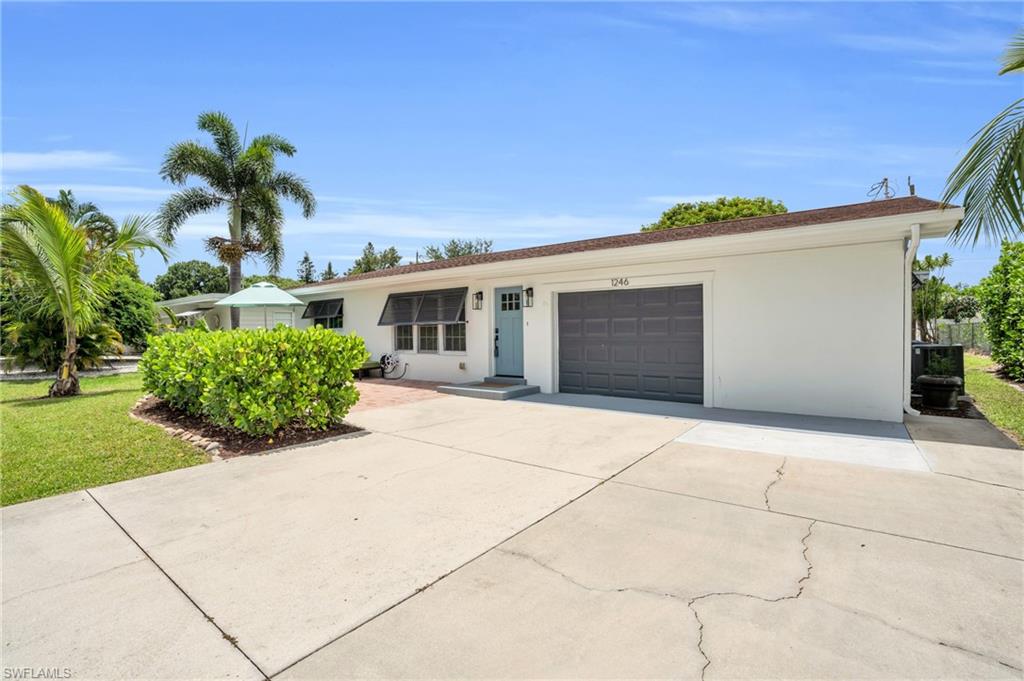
point(808, 331)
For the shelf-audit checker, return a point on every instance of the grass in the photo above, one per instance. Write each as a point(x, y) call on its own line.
point(1001, 403)
point(50, 446)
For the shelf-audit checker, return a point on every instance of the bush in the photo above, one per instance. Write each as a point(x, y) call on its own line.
point(257, 381)
point(130, 307)
point(1001, 294)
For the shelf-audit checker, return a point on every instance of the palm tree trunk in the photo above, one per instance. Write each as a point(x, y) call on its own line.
point(235, 266)
point(67, 375)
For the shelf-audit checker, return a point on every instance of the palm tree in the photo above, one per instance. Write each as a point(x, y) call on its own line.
point(245, 181)
point(99, 226)
point(69, 277)
point(991, 173)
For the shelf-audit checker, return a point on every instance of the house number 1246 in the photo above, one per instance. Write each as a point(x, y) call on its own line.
point(620, 281)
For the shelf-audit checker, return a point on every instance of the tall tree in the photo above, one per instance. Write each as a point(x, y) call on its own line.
point(190, 278)
point(307, 272)
point(991, 173)
point(328, 272)
point(456, 248)
point(68, 276)
point(242, 178)
point(371, 260)
point(700, 212)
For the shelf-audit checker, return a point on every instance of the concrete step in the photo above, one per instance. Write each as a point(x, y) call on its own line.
point(489, 390)
point(509, 380)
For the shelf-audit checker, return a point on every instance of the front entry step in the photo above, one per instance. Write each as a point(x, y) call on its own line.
point(490, 389)
point(509, 380)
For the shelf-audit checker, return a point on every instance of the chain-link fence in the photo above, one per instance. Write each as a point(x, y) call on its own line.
point(971, 335)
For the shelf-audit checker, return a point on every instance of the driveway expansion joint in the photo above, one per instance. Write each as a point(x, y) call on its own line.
point(225, 635)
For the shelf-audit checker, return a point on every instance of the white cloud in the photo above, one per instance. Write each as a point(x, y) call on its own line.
point(938, 42)
point(68, 159)
point(737, 17)
point(108, 192)
point(880, 156)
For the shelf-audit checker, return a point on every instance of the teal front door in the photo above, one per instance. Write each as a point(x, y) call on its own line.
point(508, 331)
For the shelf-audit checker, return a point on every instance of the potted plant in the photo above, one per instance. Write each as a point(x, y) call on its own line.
point(939, 388)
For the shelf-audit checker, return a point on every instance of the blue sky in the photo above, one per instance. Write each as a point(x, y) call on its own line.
point(523, 123)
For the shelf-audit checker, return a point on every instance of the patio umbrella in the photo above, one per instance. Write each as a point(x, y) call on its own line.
point(262, 294)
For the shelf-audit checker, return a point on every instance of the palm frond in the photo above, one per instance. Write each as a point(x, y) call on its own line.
point(276, 143)
point(991, 178)
point(294, 188)
point(181, 206)
point(264, 219)
point(225, 136)
point(1013, 58)
point(191, 159)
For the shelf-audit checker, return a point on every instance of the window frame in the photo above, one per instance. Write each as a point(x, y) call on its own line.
point(329, 322)
point(420, 328)
point(460, 337)
point(412, 338)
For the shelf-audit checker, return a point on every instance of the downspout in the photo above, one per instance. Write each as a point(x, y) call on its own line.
point(908, 314)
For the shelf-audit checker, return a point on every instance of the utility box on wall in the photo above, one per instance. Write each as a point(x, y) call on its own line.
point(922, 353)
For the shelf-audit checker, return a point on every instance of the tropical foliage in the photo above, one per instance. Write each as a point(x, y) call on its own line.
point(280, 282)
point(257, 381)
point(456, 248)
point(371, 260)
point(242, 178)
point(990, 176)
point(929, 298)
point(66, 273)
point(99, 226)
point(130, 307)
point(191, 278)
point(1001, 294)
point(722, 208)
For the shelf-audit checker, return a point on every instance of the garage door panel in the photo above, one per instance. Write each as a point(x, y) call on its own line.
point(644, 343)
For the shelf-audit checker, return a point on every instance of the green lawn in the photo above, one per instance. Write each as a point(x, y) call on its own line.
point(1001, 403)
point(50, 446)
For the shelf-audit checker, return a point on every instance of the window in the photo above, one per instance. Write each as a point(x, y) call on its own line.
point(428, 338)
point(403, 337)
point(509, 302)
point(454, 337)
point(329, 322)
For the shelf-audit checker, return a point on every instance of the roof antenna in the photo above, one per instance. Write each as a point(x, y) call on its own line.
point(881, 190)
point(911, 187)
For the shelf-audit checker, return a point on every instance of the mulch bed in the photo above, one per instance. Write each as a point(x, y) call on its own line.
point(232, 442)
point(966, 410)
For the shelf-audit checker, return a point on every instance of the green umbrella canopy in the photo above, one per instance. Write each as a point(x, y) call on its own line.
point(261, 294)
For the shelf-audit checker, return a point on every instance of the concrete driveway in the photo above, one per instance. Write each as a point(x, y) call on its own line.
point(470, 538)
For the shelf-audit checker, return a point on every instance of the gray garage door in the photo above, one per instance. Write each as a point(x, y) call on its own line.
point(645, 343)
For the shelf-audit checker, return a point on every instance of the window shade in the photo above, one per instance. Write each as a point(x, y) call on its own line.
point(323, 308)
point(446, 306)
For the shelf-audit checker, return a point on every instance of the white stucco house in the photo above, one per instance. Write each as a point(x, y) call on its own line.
point(806, 312)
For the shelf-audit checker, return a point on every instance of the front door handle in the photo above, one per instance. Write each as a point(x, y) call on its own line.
point(495, 342)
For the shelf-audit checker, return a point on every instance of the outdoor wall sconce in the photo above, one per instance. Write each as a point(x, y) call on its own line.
point(528, 297)
point(478, 300)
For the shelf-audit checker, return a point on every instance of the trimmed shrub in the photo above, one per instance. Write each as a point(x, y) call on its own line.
point(257, 381)
point(1001, 294)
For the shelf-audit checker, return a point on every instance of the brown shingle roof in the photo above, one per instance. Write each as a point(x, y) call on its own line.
point(802, 218)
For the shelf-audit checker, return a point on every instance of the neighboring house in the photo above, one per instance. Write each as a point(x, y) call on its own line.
point(190, 309)
point(805, 312)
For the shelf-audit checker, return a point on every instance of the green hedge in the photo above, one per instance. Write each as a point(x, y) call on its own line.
point(1001, 294)
point(257, 381)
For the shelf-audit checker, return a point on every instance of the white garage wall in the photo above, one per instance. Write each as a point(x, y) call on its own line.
point(814, 331)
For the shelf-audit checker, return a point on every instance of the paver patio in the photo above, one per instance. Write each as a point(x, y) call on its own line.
point(474, 538)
